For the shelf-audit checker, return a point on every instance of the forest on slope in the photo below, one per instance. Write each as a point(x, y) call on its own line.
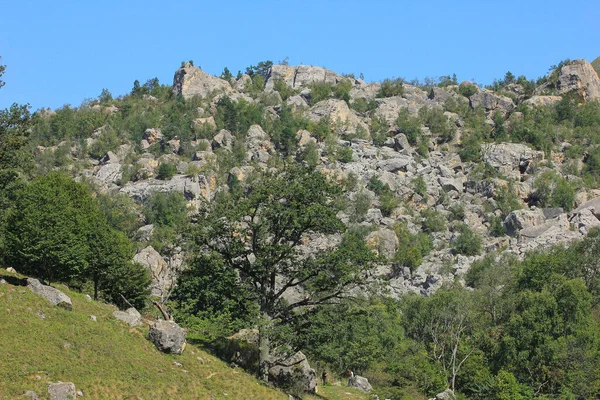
point(426, 235)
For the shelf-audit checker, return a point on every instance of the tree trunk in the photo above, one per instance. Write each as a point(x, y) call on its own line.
point(264, 347)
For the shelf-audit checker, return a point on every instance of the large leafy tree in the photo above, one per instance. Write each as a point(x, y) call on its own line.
point(56, 231)
point(259, 234)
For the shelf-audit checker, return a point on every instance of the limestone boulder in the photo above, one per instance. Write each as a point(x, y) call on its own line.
point(62, 391)
point(492, 102)
point(511, 159)
point(130, 316)
point(360, 383)
point(162, 275)
point(300, 76)
point(542, 101)
point(49, 293)
point(191, 81)
point(109, 174)
point(384, 241)
point(339, 115)
point(523, 219)
point(293, 372)
point(579, 76)
point(167, 336)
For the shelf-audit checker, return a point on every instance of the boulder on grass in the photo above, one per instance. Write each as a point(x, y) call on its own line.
point(167, 336)
point(360, 383)
point(62, 391)
point(51, 294)
point(130, 316)
point(293, 373)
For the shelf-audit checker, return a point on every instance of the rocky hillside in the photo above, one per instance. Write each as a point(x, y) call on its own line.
point(446, 160)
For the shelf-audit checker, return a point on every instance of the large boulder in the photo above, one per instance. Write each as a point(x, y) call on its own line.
point(167, 336)
point(360, 383)
point(130, 316)
point(581, 77)
point(191, 81)
point(109, 173)
point(523, 219)
point(338, 113)
point(51, 294)
point(447, 394)
point(384, 241)
point(492, 102)
point(162, 276)
point(511, 159)
point(62, 391)
point(293, 372)
point(191, 187)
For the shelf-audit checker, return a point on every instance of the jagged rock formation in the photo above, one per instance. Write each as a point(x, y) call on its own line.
point(191, 81)
point(579, 76)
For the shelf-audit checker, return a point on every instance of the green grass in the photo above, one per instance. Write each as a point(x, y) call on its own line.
point(107, 359)
point(596, 65)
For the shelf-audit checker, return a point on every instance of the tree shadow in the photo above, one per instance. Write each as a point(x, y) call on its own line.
point(13, 280)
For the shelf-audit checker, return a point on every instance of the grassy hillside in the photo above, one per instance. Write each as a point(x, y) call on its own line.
point(596, 65)
point(105, 359)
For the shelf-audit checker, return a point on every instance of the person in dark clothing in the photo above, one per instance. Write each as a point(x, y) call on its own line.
point(324, 377)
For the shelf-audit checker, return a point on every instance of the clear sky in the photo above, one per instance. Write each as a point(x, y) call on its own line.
point(65, 51)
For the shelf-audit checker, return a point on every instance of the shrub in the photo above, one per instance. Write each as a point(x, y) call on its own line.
point(468, 243)
point(166, 171)
point(467, 89)
point(552, 190)
point(438, 123)
point(420, 186)
point(411, 248)
point(432, 221)
point(391, 87)
point(165, 209)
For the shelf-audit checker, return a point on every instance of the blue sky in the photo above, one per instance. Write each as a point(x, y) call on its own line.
point(65, 52)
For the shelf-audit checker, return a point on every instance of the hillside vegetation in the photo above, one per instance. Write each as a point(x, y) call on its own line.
point(430, 235)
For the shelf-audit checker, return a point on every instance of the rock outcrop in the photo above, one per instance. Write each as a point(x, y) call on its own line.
point(580, 77)
point(360, 383)
point(190, 81)
point(51, 294)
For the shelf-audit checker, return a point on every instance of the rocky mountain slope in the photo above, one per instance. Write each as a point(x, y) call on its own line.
point(366, 143)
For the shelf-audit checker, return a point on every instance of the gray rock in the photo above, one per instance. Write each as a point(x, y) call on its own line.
point(293, 371)
point(152, 135)
point(110, 158)
point(395, 164)
point(191, 187)
point(299, 76)
point(550, 213)
point(51, 294)
point(384, 241)
point(510, 159)
point(585, 220)
point(581, 77)
point(130, 316)
point(31, 394)
point(223, 139)
point(167, 336)
point(143, 234)
point(109, 173)
point(447, 394)
point(360, 383)
point(492, 102)
point(62, 391)
point(340, 115)
point(523, 219)
point(542, 101)
point(401, 142)
point(191, 81)
point(449, 184)
point(162, 276)
point(11, 270)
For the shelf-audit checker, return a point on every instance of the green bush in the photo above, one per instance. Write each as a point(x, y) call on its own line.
point(468, 243)
point(432, 221)
point(420, 186)
point(411, 248)
point(552, 190)
point(166, 171)
point(391, 87)
point(467, 89)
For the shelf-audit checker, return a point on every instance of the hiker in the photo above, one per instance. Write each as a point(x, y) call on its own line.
point(324, 377)
point(350, 378)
